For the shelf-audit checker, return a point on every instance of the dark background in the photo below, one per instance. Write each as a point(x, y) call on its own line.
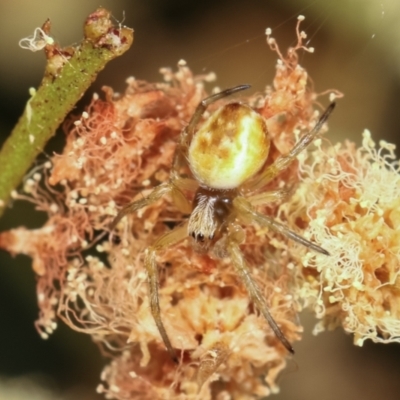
point(357, 52)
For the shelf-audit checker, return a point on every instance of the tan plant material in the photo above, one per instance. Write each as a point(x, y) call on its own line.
point(349, 199)
point(344, 199)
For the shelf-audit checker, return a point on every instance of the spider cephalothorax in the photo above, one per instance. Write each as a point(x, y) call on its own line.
point(227, 153)
point(212, 210)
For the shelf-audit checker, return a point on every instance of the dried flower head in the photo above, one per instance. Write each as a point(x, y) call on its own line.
point(121, 148)
point(349, 200)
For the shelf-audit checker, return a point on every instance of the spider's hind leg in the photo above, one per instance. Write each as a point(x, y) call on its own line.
point(136, 205)
point(173, 186)
point(282, 162)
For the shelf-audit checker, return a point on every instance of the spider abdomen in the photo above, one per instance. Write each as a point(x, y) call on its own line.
point(230, 147)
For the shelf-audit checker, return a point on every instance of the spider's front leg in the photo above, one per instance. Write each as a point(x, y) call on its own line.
point(168, 239)
point(254, 292)
point(174, 187)
point(271, 196)
point(245, 211)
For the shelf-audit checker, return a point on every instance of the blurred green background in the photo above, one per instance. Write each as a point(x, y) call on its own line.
point(357, 46)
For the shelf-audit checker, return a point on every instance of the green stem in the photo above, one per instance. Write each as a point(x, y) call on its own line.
point(69, 73)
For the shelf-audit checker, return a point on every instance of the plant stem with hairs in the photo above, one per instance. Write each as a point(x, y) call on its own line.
point(68, 74)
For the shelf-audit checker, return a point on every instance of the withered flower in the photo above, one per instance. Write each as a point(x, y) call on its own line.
point(121, 148)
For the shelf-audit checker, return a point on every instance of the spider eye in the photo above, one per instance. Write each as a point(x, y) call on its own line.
point(198, 237)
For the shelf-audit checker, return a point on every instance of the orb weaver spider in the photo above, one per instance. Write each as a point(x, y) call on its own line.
point(225, 157)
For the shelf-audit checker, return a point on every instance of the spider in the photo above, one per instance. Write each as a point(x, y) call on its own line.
point(226, 158)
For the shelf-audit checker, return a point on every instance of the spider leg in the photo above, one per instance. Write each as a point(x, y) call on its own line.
point(178, 197)
point(254, 292)
point(168, 239)
point(174, 186)
point(156, 194)
point(188, 131)
point(245, 209)
point(268, 197)
point(283, 162)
